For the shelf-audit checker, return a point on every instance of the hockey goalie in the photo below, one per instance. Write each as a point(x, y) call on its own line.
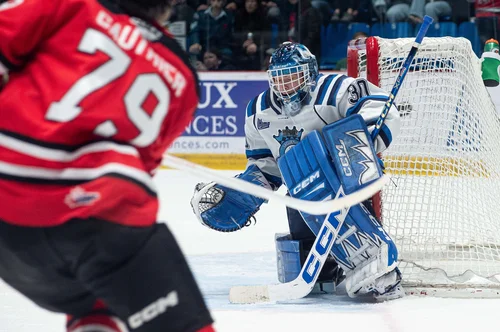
point(311, 132)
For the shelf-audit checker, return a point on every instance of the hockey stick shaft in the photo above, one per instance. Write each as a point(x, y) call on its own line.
point(401, 76)
point(311, 207)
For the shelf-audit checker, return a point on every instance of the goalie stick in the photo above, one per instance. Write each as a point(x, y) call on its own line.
point(310, 207)
point(401, 76)
point(304, 283)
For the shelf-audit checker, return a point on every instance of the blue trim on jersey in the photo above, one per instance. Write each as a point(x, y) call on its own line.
point(322, 90)
point(357, 107)
point(386, 135)
point(258, 153)
point(263, 101)
point(332, 98)
point(252, 107)
point(269, 95)
point(316, 80)
point(276, 101)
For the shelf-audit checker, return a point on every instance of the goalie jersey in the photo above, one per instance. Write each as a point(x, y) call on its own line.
point(270, 132)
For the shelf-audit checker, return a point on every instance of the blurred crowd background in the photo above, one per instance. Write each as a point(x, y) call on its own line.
point(241, 34)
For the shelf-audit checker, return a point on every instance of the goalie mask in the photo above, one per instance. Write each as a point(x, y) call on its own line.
point(292, 72)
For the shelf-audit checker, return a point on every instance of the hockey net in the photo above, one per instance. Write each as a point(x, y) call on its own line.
point(443, 208)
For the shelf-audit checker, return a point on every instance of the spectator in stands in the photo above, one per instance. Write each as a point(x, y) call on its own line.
point(213, 60)
point(302, 24)
point(345, 11)
point(194, 4)
point(412, 10)
point(233, 5)
point(250, 29)
point(487, 19)
point(342, 63)
point(380, 8)
point(366, 12)
point(270, 8)
point(434, 9)
point(182, 11)
point(272, 11)
point(212, 28)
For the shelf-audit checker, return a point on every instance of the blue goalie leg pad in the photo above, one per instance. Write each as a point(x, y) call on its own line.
point(290, 257)
point(308, 172)
point(287, 257)
point(305, 170)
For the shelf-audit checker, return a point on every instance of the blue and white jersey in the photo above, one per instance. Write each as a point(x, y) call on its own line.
point(270, 132)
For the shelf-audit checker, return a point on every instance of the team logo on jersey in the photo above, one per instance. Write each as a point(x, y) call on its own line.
point(262, 124)
point(288, 138)
point(79, 197)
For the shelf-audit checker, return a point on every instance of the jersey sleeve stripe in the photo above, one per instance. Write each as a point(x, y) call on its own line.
point(264, 102)
point(332, 98)
point(357, 107)
point(322, 90)
point(60, 153)
point(267, 102)
point(258, 153)
point(67, 154)
point(274, 103)
point(252, 107)
point(69, 176)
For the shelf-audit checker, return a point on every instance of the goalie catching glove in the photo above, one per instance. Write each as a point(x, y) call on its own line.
point(225, 209)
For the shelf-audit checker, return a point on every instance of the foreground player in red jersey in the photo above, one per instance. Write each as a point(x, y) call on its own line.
point(97, 91)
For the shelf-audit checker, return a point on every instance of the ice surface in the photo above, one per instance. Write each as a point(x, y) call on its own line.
point(221, 260)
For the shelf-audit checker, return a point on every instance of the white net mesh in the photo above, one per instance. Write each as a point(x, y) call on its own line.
point(443, 209)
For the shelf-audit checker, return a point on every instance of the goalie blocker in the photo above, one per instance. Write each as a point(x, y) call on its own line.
point(363, 249)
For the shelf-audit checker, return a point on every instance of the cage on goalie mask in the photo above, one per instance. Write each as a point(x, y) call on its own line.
point(292, 72)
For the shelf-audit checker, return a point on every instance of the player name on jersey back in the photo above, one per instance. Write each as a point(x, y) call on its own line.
point(129, 37)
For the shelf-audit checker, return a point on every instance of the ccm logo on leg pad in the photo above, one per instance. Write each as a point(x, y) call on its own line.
point(301, 185)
